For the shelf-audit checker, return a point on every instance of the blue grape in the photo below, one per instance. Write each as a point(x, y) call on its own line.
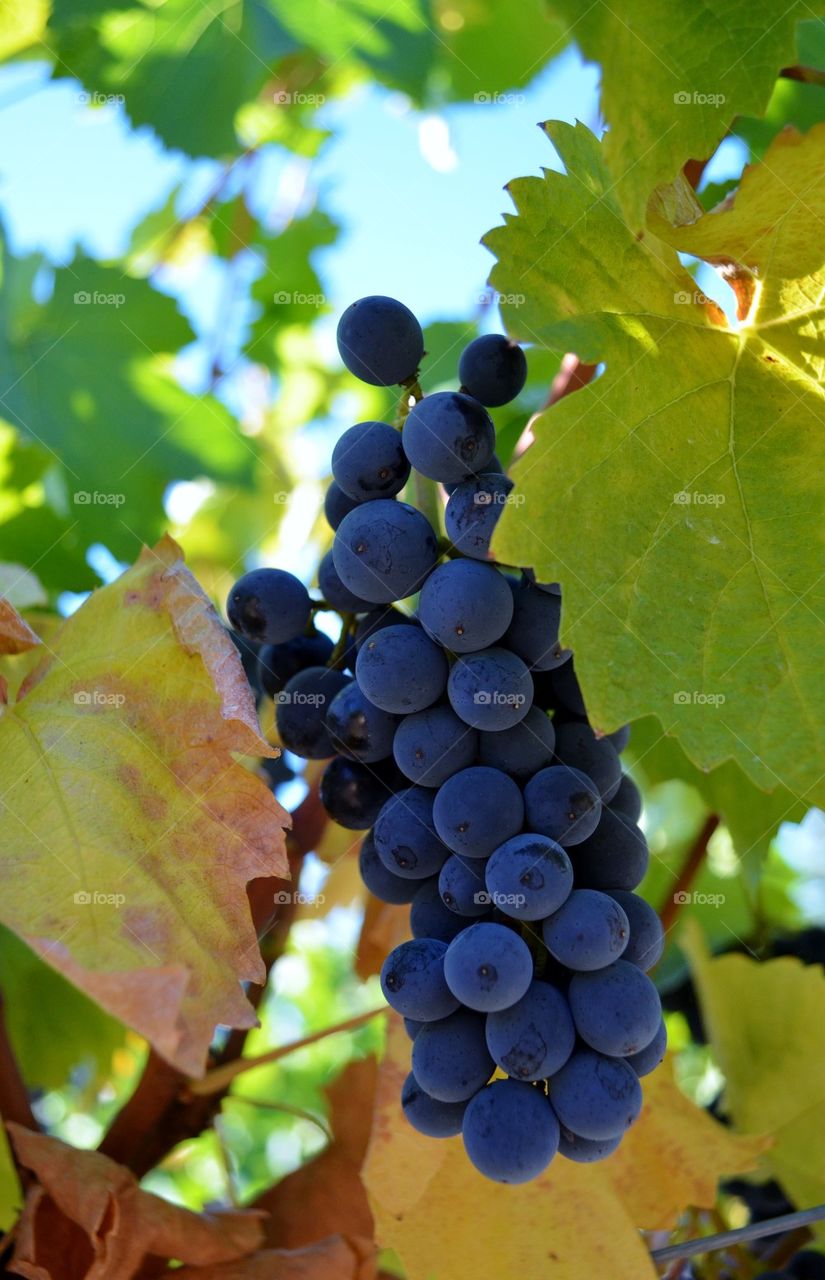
point(380, 882)
point(430, 917)
point(476, 810)
point(490, 690)
point(431, 745)
point(529, 877)
point(534, 630)
point(562, 803)
point(446, 435)
point(566, 692)
point(578, 747)
point(628, 799)
point(465, 605)
point(647, 937)
point(473, 511)
point(491, 468)
point(301, 709)
point(428, 1115)
point(380, 341)
point(534, 1037)
point(522, 751)
point(359, 729)
point(383, 550)
point(352, 793)
point(405, 838)
point(278, 663)
point(368, 461)
point(589, 932)
point(337, 504)
point(510, 1131)
point(412, 1027)
point(596, 1097)
point(488, 967)
point(378, 618)
point(648, 1059)
point(462, 888)
point(616, 1010)
point(493, 369)
point(335, 593)
point(620, 737)
point(412, 980)
point(586, 1150)
point(269, 606)
point(401, 670)
point(615, 856)
point(450, 1058)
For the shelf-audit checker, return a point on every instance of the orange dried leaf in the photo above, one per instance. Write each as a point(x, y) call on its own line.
point(331, 1259)
point(16, 636)
point(86, 1218)
point(129, 830)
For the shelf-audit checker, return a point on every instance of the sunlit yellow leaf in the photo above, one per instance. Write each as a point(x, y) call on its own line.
point(128, 830)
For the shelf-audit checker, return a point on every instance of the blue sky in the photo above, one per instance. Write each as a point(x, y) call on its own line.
point(74, 177)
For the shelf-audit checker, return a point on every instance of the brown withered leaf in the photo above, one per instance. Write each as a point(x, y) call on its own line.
point(326, 1196)
point(86, 1218)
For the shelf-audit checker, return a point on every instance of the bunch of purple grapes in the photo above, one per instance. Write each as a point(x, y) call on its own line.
point(460, 742)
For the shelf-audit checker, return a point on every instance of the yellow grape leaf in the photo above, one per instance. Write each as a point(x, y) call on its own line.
point(674, 1155)
point(766, 1023)
point(443, 1219)
point(686, 479)
point(128, 831)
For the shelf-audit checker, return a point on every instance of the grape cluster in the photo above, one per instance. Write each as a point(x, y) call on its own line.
point(460, 741)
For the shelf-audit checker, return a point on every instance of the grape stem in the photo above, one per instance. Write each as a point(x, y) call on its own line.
point(217, 1080)
point(724, 1239)
point(690, 868)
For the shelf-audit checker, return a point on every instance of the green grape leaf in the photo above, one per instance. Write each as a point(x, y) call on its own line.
point(54, 1028)
point(674, 78)
point(752, 817)
point(676, 497)
point(116, 429)
point(11, 1196)
point(160, 58)
point(288, 290)
point(270, 63)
